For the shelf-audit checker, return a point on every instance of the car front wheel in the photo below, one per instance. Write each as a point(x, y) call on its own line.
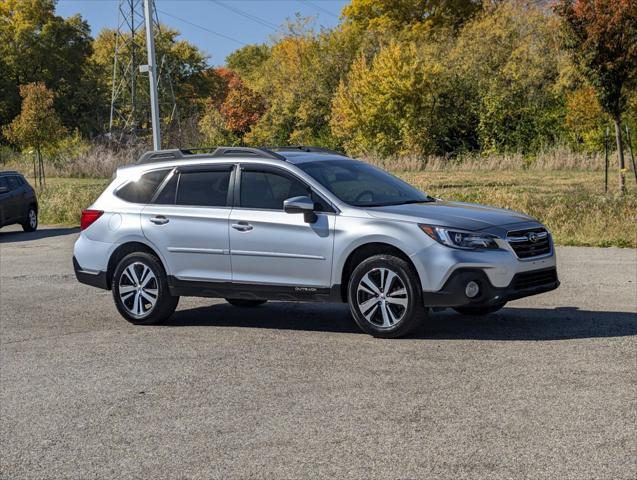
point(384, 297)
point(140, 290)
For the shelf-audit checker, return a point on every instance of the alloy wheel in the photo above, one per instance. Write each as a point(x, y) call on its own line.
point(382, 297)
point(138, 289)
point(33, 219)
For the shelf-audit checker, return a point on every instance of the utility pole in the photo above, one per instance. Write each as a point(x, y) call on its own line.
point(152, 73)
point(134, 106)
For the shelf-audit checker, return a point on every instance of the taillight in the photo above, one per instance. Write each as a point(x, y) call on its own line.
point(88, 217)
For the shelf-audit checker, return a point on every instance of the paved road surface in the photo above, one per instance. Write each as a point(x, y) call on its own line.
point(544, 389)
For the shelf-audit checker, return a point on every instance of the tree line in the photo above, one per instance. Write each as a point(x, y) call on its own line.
point(399, 77)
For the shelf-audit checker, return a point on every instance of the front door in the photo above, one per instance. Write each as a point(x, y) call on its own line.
point(188, 221)
point(9, 200)
point(271, 247)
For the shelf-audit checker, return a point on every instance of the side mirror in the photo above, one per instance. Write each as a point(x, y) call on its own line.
point(303, 205)
point(4, 190)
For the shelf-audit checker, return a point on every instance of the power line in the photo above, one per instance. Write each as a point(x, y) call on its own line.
point(221, 35)
point(318, 7)
point(247, 15)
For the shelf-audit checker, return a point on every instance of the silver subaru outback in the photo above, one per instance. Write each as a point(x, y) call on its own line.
point(302, 224)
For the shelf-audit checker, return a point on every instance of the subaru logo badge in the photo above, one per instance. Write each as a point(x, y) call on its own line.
point(533, 237)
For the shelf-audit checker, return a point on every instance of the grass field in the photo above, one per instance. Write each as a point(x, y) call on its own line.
point(571, 203)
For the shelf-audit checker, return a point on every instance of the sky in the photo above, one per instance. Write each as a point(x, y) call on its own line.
point(234, 22)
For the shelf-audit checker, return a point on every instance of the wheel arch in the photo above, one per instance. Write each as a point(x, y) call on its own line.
point(364, 251)
point(125, 249)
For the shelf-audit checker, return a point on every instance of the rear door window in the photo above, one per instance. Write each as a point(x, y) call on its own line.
point(143, 189)
point(203, 188)
point(168, 192)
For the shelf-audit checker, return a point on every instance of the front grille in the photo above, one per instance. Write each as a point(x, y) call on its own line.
point(524, 246)
point(533, 279)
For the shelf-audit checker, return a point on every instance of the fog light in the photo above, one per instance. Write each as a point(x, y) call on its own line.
point(472, 289)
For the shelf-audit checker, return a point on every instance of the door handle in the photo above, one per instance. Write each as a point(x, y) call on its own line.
point(159, 220)
point(242, 226)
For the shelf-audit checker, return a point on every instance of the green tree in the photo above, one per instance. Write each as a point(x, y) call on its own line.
point(298, 81)
point(399, 14)
point(585, 118)
point(510, 56)
point(247, 61)
point(214, 129)
point(38, 46)
point(37, 126)
point(405, 101)
point(601, 36)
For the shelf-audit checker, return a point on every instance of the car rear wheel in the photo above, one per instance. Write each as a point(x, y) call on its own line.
point(479, 309)
point(384, 297)
point(31, 222)
point(140, 290)
point(239, 302)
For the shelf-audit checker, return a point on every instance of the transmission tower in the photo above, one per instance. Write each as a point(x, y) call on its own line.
point(131, 114)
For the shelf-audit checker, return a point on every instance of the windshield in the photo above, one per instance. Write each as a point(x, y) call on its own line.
point(362, 185)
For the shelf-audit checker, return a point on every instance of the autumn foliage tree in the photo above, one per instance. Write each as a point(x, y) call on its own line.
point(231, 110)
point(37, 126)
point(242, 107)
point(601, 35)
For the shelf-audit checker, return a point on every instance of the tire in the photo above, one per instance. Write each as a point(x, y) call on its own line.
point(146, 271)
point(479, 309)
point(238, 302)
point(368, 291)
point(31, 222)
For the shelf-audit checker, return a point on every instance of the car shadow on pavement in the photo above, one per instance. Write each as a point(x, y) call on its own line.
point(531, 324)
point(521, 324)
point(320, 317)
point(20, 236)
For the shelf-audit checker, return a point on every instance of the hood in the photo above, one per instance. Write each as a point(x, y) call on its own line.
point(467, 216)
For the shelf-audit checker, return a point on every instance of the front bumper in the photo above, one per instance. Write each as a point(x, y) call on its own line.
point(523, 284)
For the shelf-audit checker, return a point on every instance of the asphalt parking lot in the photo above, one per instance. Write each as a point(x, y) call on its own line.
point(546, 388)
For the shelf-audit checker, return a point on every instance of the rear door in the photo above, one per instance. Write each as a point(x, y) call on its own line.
point(188, 221)
point(271, 247)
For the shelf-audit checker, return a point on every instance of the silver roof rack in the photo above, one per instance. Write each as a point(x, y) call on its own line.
point(308, 149)
point(215, 152)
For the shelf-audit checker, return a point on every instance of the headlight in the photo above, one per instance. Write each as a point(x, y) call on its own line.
point(461, 239)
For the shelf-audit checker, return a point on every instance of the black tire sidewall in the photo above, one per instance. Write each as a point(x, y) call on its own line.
point(26, 226)
point(166, 303)
point(415, 313)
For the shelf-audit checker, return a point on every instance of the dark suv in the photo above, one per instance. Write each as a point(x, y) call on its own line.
point(18, 203)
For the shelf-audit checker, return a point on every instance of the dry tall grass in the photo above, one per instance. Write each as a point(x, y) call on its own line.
point(100, 161)
point(558, 158)
point(96, 161)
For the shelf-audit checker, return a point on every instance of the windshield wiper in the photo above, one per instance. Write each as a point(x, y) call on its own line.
point(428, 199)
point(423, 200)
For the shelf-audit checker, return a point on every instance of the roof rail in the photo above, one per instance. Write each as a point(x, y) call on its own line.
point(241, 151)
point(161, 155)
point(307, 148)
point(185, 153)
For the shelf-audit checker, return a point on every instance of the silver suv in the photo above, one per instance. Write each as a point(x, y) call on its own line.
point(302, 224)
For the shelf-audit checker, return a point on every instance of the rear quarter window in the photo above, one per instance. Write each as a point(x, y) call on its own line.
point(143, 189)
